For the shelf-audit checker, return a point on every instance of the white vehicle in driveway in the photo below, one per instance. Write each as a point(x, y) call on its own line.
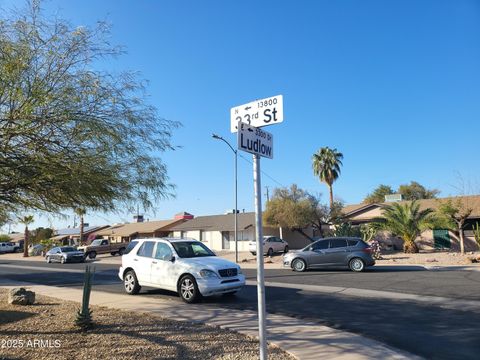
point(6, 247)
point(271, 245)
point(185, 266)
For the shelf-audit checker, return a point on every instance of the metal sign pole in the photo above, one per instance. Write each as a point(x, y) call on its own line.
point(262, 332)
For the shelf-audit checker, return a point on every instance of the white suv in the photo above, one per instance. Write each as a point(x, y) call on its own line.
point(186, 266)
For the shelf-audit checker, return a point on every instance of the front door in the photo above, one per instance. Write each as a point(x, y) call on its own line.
point(441, 239)
point(317, 254)
point(225, 240)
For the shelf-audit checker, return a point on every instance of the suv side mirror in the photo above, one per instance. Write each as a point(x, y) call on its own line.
point(172, 259)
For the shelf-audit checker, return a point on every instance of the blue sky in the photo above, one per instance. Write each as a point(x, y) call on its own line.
point(394, 85)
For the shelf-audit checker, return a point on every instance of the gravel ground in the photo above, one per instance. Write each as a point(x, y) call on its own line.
point(46, 331)
point(429, 258)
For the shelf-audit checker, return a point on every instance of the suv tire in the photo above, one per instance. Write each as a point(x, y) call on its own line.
point(130, 283)
point(299, 265)
point(188, 289)
point(356, 265)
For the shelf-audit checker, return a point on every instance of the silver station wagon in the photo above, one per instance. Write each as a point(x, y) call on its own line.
point(340, 251)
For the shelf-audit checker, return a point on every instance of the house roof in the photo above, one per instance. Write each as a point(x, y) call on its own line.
point(224, 222)
point(471, 201)
point(76, 231)
point(16, 237)
point(141, 227)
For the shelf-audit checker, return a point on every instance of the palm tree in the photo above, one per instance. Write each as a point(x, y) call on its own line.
point(407, 221)
point(326, 165)
point(81, 212)
point(26, 220)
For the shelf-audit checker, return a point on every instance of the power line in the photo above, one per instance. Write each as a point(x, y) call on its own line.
point(263, 172)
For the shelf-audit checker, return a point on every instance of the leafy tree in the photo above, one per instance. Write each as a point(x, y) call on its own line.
point(41, 233)
point(5, 238)
point(26, 220)
point(326, 165)
point(378, 195)
point(416, 191)
point(81, 213)
point(289, 208)
point(455, 213)
point(407, 221)
point(70, 135)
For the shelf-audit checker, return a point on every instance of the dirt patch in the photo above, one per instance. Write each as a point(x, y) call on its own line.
point(429, 258)
point(46, 331)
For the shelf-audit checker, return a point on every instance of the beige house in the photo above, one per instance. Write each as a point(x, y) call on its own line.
point(218, 231)
point(439, 239)
point(147, 229)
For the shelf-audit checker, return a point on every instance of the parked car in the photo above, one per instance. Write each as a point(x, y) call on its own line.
point(64, 254)
point(271, 245)
point(351, 252)
point(16, 246)
point(6, 247)
point(35, 250)
point(185, 266)
point(102, 246)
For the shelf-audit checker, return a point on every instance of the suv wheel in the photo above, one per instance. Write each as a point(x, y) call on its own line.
point(356, 264)
point(188, 289)
point(299, 265)
point(286, 249)
point(130, 283)
point(92, 254)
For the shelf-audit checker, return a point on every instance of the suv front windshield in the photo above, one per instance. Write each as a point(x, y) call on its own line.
point(190, 249)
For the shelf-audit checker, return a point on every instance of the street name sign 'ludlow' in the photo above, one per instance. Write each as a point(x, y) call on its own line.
point(255, 140)
point(258, 113)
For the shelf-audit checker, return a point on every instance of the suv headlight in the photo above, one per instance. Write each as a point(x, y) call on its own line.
point(205, 273)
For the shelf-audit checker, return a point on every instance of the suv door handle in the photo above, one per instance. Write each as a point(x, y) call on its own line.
point(154, 262)
point(135, 259)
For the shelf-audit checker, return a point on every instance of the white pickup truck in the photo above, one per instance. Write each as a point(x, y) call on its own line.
point(6, 247)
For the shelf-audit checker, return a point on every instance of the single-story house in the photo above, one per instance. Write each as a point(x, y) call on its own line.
point(71, 236)
point(218, 231)
point(431, 239)
point(147, 229)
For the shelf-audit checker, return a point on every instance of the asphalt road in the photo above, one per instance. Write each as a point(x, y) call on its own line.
point(419, 328)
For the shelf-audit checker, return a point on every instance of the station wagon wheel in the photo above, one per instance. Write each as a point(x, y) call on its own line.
point(270, 252)
point(356, 264)
point(299, 265)
point(188, 289)
point(130, 283)
point(121, 251)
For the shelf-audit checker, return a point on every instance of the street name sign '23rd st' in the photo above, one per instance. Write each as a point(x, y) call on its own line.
point(258, 113)
point(255, 140)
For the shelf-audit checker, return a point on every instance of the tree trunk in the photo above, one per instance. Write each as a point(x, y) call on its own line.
point(462, 244)
point(81, 230)
point(330, 188)
point(25, 243)
point(409, 247)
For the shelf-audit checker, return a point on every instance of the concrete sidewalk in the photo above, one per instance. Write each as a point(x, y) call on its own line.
point(305, 340)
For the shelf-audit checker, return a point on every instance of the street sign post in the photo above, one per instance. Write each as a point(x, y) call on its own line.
point(255, 140)
point(258, 113)
point(246, 120)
